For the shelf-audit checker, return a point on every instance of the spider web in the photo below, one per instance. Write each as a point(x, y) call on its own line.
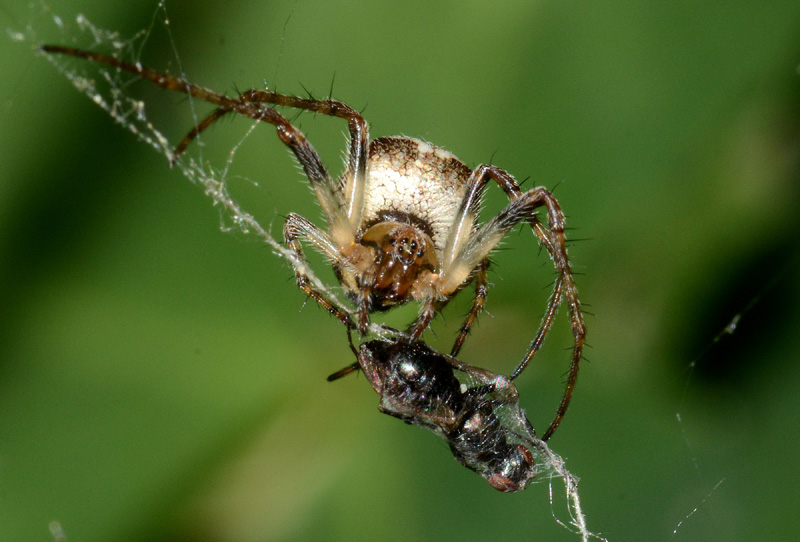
point(109, 89)
point(728, 330)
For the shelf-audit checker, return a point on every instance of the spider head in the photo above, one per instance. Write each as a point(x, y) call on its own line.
point(403, 244)
point(401, 254)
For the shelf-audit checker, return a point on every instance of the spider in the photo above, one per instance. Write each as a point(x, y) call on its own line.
point(478, 415)
point(402, 218)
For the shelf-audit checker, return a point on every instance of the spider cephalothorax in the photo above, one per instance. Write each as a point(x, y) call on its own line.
point(411, 197)
point(392, 260)
point(402, 218)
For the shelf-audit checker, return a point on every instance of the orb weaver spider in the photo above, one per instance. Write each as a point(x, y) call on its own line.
point(402, 218)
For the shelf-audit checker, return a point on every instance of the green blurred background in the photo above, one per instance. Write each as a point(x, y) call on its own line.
point(163, 380)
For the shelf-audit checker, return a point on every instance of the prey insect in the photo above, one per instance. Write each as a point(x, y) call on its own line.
point(402, 218)
point(475, 411)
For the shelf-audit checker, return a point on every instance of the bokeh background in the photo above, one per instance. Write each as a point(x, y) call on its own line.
point(161, 379)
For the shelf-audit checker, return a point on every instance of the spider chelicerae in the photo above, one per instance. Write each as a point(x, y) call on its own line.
point(402, 218)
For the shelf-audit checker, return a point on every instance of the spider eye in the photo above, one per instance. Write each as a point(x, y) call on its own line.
point(413, 246)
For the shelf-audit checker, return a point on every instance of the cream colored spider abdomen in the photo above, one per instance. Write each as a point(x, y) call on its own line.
point(408, 178)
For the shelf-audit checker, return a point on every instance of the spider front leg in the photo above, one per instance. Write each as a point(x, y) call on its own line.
point(352, 182)
point(477, 247)
point(249, 104)
point(470, 206)
point(349, 192)
point(459, 235)
point(553, 240)
point(297, 227)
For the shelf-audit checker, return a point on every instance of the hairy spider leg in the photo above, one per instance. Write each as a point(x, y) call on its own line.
point(481, 292)
point(250, 105)
point(353, 178)
point(477, 247)
point(460, 235)
point(564, 287)
point(554, 242)
point(195, 132)
point(297, 227)
point(579, 333)
point(470, 208)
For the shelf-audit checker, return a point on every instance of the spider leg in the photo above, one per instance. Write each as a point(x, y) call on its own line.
point(470, 206)
point(297, 227)
point(196, 131)
point(579, 334)
point(481, 291)
point(463, 228)
point(478, 246)
point(365, 284)
point(249, 104)
point(564, 288)
point(550, 240)
point(353, 181)
point(426, 313)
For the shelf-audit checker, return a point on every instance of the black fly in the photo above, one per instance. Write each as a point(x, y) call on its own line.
point(476, 411)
